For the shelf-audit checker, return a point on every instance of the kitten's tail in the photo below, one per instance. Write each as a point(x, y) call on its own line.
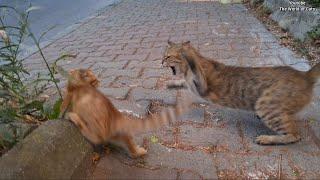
point(314, 73)
point(153, 121)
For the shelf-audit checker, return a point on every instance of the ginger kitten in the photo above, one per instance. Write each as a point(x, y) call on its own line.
point(99, 121)
point(275, 94)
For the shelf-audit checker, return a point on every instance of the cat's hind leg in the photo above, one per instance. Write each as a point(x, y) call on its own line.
point(280, 121)
point(284, 125)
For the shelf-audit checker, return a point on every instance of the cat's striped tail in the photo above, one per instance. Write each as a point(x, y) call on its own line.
point(154, 121)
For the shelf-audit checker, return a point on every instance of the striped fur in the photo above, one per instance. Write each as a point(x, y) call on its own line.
point(153, 121)
point(275, 94)
point(99, 121)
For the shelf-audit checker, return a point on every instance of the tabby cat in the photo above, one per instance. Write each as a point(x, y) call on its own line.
point(97, 118)
point(275, 94)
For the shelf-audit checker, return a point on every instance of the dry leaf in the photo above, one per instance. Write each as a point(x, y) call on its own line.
point(95, 157)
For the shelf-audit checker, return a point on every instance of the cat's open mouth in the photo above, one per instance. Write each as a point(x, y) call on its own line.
point(173, 70)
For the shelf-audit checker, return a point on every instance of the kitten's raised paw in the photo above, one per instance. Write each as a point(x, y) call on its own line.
point(140, 151)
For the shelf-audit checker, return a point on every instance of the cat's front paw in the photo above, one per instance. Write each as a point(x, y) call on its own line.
point(263, 140)
point(140, 151)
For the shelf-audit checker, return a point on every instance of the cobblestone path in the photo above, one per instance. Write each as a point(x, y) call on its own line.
point(124, 46)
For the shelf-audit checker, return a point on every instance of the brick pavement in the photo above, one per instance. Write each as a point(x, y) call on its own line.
point(124, 46)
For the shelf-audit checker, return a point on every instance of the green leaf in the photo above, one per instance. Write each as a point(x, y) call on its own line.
point(34, 105)
point(7, 114)
point(312, 120)
point(7, 135)
point(54, 114)
point(4, 93)
point(8, 46)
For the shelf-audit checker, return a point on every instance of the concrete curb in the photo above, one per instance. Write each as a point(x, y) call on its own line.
point(55, 150)
point(297, 22)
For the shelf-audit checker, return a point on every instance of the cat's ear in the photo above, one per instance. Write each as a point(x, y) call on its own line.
point(171, 43)
point(191, 62)
point(199, 78)
point(186, 43)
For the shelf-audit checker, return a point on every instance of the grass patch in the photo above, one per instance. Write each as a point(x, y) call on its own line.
point(21, 94)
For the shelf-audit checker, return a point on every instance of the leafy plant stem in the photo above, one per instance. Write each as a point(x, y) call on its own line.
point(46, 62)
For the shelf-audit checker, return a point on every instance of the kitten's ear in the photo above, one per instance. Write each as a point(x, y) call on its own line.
point(89, 70)
point(171, 43)
point(90, 73)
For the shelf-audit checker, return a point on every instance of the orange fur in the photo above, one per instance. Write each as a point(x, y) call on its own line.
point(99, 121)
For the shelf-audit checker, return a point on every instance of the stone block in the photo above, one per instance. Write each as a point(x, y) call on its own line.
point(118, 93)
point(167, 97)
point(52, 151)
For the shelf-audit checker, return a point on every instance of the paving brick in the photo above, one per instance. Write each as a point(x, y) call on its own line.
point(75, 65)
point(139, 57)
point(105, 82)
point(195, 161)
point(99, 59)
point(110, 47)
point(133, 82)
point(109, 65)
point(149, 83)
point(304, 165)
point(156, 54)
point(163, 134)
point(90, 54)
point(124, 51)
point(148, 73)
point(188, 174)
point(145, 64)
point(271, 166)
point(111, 166)
point(217, 139)
point(118, 93)
point(194, 115)
point(168, 97)
point(116, 72)
point(138, 109)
